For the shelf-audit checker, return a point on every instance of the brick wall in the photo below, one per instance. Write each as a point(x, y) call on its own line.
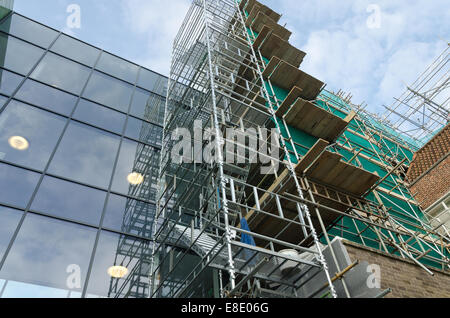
point(433, 186)
point(406, 279)
point(436, 149)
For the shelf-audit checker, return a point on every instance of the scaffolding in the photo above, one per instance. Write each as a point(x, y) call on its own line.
point(338, 173)
point(424, 108)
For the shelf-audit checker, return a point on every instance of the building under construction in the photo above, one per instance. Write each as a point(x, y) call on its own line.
point(334, 217)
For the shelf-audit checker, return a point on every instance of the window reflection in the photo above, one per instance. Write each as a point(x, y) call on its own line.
point(40, 130)
point(49, 258)
point(28, 30)
point(62, 73)
point(129, 216)
point(139, 103)
point(17, 185)
point(86, 155)
point(9, 219)
point(46, 97)
point(108, 91)
point(9, 82)
point(117, 67)
point(120, 250)
point(76, 50)
point(148, 106)
point(152, 81)
point(69, 200)
point(100, 116)
point(136, 158)
point(144, 131)
point(20, 63)
point(3, 100)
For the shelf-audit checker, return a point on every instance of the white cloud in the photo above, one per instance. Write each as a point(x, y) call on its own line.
point(159, 21)
point(372, 64)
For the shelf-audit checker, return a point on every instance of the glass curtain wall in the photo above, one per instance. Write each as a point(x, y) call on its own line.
point(80, 136)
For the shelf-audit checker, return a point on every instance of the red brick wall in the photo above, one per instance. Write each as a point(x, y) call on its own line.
point(433, 186)
point(436, 149)
point(406, 279)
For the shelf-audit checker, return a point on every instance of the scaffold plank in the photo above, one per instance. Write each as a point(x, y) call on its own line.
point(255, 7)
point(314, 120)
point(263, 20)
point(271, 45)
point(286, 76)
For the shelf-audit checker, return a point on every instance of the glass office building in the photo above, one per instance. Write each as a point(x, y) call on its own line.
point(80, 136)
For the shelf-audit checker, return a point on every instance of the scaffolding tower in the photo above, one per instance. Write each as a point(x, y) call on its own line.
point(338, 174)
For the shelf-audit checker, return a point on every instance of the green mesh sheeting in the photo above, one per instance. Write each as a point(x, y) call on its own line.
point(385, 141)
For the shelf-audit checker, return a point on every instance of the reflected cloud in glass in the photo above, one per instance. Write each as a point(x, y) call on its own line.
point(20, 63)
point(86, 155)
point(47, 97)
point(29, 30)
point(100, 116)
point(62, 73)
point(69, 200)
point(9, 219)
point(17, 185)
point(76, 50)
point(41, 255)
point(9, 82)
point(40, 129)
point(117, 67)
point(108, 91)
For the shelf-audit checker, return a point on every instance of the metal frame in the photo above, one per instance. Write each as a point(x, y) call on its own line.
point(424, 108)
point(200, 205)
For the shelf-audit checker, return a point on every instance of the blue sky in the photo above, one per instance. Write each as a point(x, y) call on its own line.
point(349, 45)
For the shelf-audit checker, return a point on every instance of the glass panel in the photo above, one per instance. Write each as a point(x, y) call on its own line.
point(28, 135)
point(47, 97)
point(144, 131)
point(134, 170)
point(155, 109)
point(9, 219)
point(20, 63)
point(9, 82)
point(130, 258)
point(2, 101)
point(118, 67)
point(29, 30)
point(62, 73)
point(108, 91)
point(100, 116)
point(129, 216)
point(49, 258)
point(139, 104)
point(86, 155)
point(152, 81)
point(69, 200)
point(76, 50)
point(17, 185)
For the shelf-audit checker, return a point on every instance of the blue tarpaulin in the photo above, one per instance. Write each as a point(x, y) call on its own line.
point(247, 239)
